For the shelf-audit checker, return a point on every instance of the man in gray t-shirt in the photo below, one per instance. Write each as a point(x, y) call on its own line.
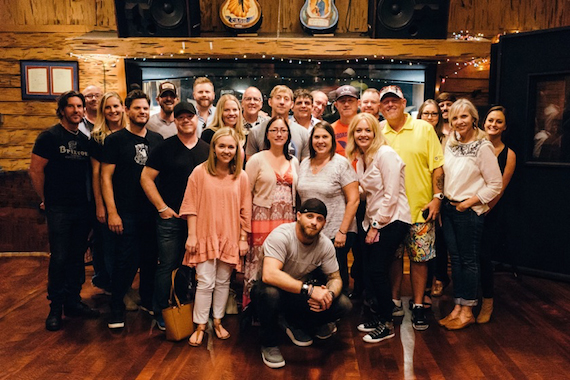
point(288, 295)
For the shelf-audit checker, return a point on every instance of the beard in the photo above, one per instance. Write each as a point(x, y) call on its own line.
point(309, 233)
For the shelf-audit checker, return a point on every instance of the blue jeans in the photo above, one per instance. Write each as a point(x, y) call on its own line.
point(136, 247)
point(171, 235)
point(463, 234)
point(68, 230)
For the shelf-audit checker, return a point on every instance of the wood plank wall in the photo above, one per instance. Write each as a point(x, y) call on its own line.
point(44, 30)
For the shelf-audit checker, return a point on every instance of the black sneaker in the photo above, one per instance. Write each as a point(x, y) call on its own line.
point(53, 320)
point(326, 331)
point(298, 337)
point(117, 320)
point(272, 357)
point(80, 310)
point(369, 326)
point(382, 332)
point(419, 320)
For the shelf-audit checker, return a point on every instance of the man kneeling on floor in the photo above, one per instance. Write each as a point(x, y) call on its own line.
point(287, 296)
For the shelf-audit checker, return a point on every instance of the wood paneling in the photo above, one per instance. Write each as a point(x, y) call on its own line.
point(492, 17)
point(255, 47)
point(479, 16)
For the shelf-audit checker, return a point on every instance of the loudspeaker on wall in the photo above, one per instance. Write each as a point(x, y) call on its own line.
point(158, 18)
point(415, 19)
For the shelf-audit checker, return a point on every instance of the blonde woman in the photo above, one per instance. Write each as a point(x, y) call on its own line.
point(217, 206)
point(228, 114)
point(111, 117)
point(387, 219)
point(472, 180)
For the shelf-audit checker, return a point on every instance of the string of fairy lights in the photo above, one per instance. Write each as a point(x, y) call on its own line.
point(454, 67)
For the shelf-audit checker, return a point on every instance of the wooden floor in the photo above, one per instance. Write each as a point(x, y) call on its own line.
point(528, 338)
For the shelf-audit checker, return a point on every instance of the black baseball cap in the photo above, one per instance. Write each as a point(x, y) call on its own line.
point(182, 107)
point(313, 205)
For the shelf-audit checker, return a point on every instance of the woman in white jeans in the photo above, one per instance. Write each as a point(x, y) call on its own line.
point(217, 205)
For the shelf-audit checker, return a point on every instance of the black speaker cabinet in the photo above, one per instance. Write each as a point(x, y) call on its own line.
point(158, 18)
point(416, 19)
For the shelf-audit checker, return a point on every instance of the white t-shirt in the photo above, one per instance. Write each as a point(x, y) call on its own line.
point(327, 186)
point(299, 259)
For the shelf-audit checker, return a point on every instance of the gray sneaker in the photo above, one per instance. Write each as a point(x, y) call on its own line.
point(326, 331)
point(398, 311)
point(298, 337)
point(272, 357)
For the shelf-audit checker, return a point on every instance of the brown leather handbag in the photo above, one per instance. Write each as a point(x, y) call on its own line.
point(177, 317)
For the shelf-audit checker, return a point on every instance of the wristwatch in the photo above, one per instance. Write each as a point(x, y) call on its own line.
point(375, 224)
point(305, 289)
point(438, 196)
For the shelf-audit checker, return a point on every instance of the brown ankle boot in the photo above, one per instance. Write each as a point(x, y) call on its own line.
point(486, 311)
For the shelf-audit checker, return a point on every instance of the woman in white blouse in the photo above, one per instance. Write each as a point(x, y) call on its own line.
point(472, 180)
point(380, 173)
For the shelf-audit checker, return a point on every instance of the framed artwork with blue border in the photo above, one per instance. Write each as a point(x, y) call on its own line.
point(46, 80)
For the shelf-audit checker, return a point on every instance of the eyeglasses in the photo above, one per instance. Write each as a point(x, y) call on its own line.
point(252, 99)
point(276, 131)
point(430, 114)
point(93, 96)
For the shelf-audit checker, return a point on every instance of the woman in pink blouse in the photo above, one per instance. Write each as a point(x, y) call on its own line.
point(217, 205)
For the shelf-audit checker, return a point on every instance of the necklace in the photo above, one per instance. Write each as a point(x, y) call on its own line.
point(317, 168)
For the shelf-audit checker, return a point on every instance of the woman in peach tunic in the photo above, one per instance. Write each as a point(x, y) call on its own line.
point(217, 205)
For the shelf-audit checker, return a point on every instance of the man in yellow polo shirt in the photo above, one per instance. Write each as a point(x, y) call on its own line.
point(417, 144)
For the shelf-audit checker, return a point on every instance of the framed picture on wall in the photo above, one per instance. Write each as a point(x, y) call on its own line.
point(549, 106)
point(46, 80)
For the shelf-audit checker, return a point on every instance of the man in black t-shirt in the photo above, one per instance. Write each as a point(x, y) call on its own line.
point(60, 170)
point(171, 163)
point(130, 214)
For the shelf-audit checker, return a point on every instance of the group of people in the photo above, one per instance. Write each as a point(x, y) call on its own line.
point(281, 198)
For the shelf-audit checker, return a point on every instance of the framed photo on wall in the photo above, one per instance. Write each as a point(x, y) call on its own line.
point(46, 80)
point(549, 106)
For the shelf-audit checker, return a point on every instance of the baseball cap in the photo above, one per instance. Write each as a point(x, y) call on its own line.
point(313, 205)
point(166, 87)
point(391, 90)
point(346, 90)
point(182, 107)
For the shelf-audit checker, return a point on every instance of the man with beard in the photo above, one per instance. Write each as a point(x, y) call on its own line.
point(92, 96)
point(163, 121)
point(417, 144)
point(164, 180)
point(303, 109)
point(280, 101)
point(59, 170)
point(370, 102)
point(293, 255)
point(445, 100)
point(130, 214)
point(347, 105)
point(251, 104)
point(204, 95)
point(320, 102)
